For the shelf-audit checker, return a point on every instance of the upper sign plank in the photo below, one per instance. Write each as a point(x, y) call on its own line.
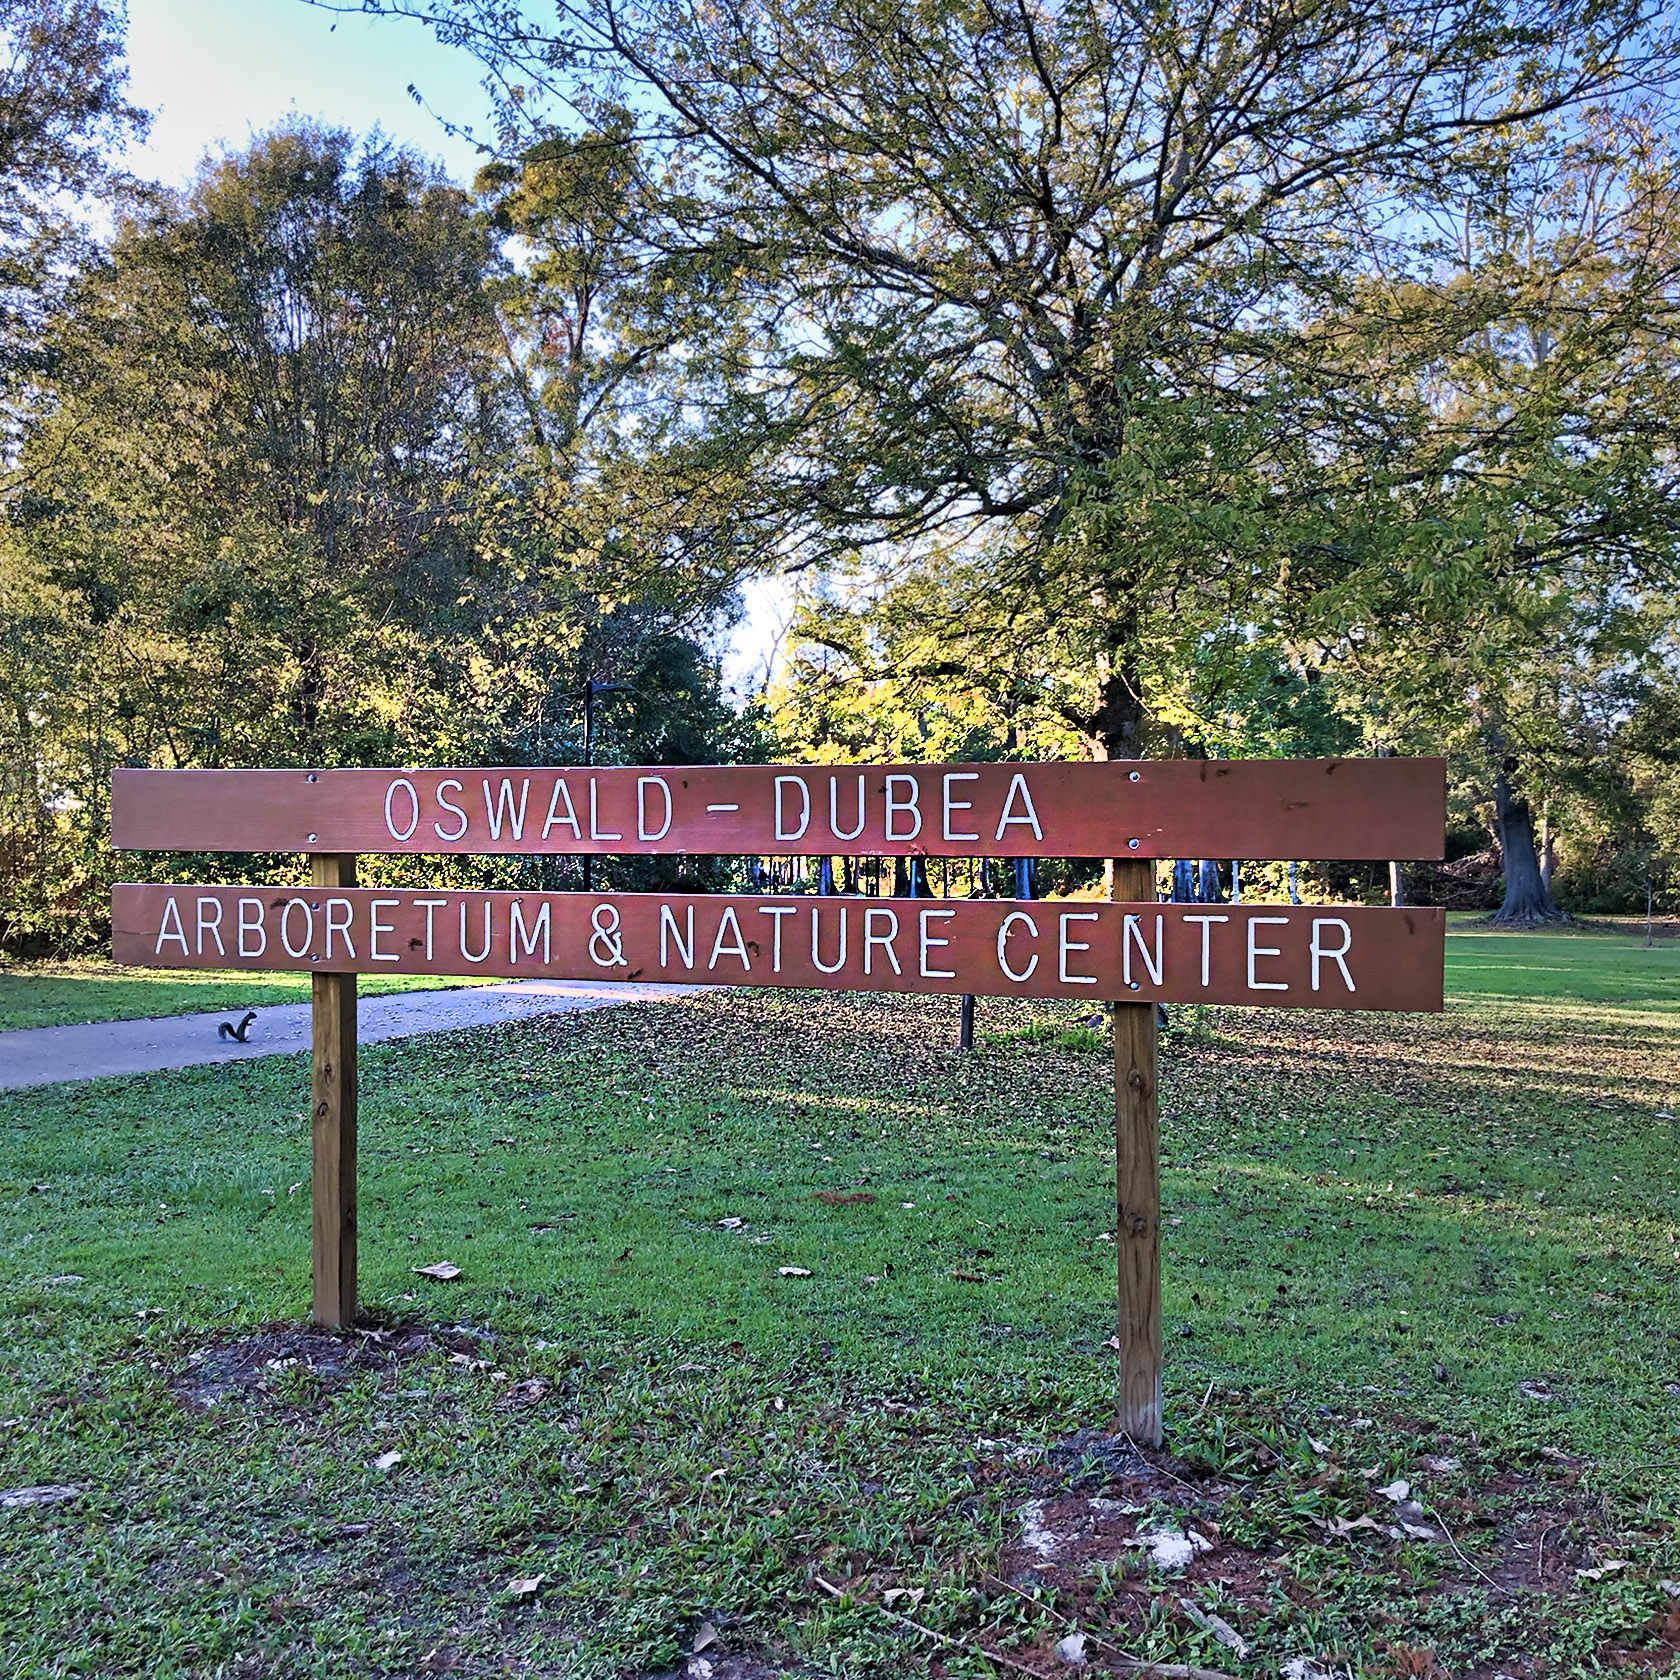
point(1244, 808)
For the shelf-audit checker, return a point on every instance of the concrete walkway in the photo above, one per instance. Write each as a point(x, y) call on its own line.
point(46, 1055)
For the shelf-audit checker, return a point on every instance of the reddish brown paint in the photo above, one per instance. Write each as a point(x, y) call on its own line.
point(1394, 957)
point(1250, 808)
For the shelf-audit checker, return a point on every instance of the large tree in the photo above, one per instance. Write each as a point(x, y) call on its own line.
point(255, 518)
point(64, 116)
point(1075, 304)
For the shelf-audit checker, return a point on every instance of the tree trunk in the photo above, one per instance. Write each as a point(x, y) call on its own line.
point(1117, 726)
point(1548, 850)
point(1527, 899)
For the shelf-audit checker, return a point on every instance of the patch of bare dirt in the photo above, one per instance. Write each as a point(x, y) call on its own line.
point(264, 1365)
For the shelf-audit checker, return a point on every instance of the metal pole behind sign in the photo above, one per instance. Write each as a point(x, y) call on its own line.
point(332, 1182)
point(1137, 1187)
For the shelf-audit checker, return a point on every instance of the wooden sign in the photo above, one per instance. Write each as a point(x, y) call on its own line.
point(1272, 955)
point(1129, 950)
point(1245, 808)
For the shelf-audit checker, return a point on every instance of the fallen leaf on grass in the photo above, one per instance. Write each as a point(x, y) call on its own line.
point(524, 1586)
point(527, 1392)
point(706, 1636)
point(839, 1198)
point(1396, 1491)
point(12, 1499)
point(388, 1460)
point(1535, 1391)
point(733, 1224)
point(968, 1277)
point(793, 1271)
point(442, 1270)
point(893, 1594)
point(1303, 1668)
point(1439, 1466)
point(1608, 1567)
point(1222, 1631)
point(1341, 1526)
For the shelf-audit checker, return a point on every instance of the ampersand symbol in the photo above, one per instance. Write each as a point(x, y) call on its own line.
point(606, 937)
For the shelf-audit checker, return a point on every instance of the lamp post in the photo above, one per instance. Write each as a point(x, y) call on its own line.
point(590, 690)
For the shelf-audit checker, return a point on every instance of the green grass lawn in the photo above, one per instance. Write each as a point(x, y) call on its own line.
point(58, 994)
point(1438, 1250)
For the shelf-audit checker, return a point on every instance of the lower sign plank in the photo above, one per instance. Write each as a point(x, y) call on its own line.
point(1279, 956)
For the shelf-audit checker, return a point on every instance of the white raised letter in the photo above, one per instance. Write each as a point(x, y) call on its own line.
point(738, 949)
point(504, 808)
point(1336, 956)
point(1132, 930)
point(1264, 951)
point(928, 939)
point(1003, 942)
point(668, 931)
point(517, 934)
point(958, 804)
point(308, 927)
point(463, 939)
point(1074, 945)
point(246, 925)
point(594, 820)
point(834, 827)
point(912, 805)
point(561, 791)
point(413, 809)
point(212, 926)
point(778, 911)
point(783, 832)
point(816, 924)
point(450, 782)
point(884, 940)
point(429, 905)
point(1204, 920)
point(172, 913)
point(377, 927)
point(1028, 819)
point(643, 783)
point(340, 926)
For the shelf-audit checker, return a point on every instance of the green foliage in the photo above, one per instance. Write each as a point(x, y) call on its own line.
point(1099, 341)
point(279, 504)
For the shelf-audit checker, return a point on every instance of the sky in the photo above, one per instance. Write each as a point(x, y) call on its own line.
point(216, 72)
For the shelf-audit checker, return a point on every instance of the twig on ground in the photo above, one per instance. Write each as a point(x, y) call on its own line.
point(1138, 1665)
point(937, 1637)
point(1461, 1557)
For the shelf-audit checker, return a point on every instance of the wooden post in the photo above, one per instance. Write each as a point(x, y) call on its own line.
point(1137, 1185)
point(333, 1121)
point(965, 1022)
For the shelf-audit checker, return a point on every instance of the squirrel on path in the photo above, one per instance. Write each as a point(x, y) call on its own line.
point(227, 1030)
